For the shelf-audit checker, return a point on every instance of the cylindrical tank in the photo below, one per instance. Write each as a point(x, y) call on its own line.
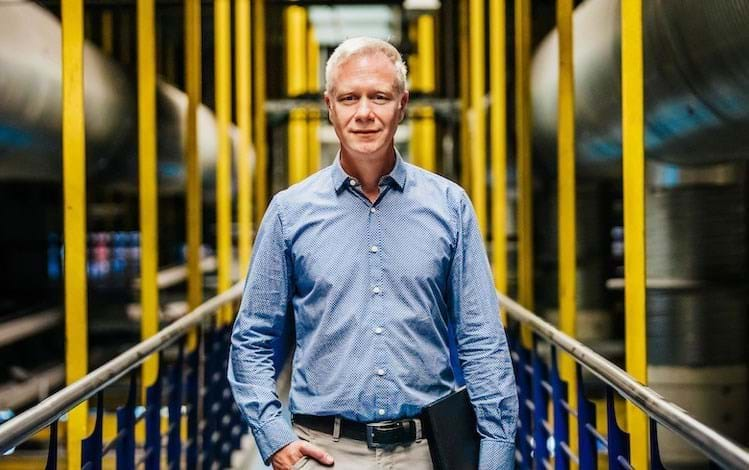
point(697, 298)
point(696, 75)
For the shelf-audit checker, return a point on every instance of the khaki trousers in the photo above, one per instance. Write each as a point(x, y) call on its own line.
point(350, 454)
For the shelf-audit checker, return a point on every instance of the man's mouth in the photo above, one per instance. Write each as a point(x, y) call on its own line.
point(365, 132)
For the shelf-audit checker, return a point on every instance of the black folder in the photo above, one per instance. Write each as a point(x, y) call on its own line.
point(450, 428)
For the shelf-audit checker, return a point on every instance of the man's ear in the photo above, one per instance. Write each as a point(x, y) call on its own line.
point(402, 105)
point(329, 105)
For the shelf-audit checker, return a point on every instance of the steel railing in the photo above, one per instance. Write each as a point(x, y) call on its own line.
point(540, 384)
point(195, 385)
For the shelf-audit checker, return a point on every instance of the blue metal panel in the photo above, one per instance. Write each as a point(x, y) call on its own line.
point(561, 418)
point(52, 451)
point(540, 407)
point(586, 416)
point(91, 447)
point(655, 455)
point(126, 429)
point(153, 423)
point(524, 436)
point(618, 440)
point(174, 445)
point(192, 398)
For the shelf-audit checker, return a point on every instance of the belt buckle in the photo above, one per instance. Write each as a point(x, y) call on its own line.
point(382, 425)
point(391, 425)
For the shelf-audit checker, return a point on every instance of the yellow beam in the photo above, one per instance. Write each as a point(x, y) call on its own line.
point(414, 65)
point(243, 85)
point(295, 18)
point(313, 85)
point(74, 194)
point(524, 164)
point(634, 219)
point(107, 32)
point(498, 133)
point(261, 152)
point(427, 59)
point(464, 79)
point(194, 190)
point(478, 114)
point(566, 217)
point(147, 180)
point(222, 57)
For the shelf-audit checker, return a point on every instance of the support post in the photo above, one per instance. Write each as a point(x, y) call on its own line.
point(243, 86)
point(633, 160)
point(261, 150)
point(295, 19)
point(524, 162)
point(74, 213)
point(193, 187)
point(566, 184)
point(222, 57)
point(498, 142)
point(313, 86)
point(477, 118)
point(425, 114)
point(147, 181)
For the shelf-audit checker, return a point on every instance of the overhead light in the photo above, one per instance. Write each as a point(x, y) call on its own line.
point(421, 4)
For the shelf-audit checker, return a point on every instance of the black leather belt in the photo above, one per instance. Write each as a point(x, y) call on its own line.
point(380, 434)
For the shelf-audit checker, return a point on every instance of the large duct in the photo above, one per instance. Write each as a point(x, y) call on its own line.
point(696, 75)
point(31, 110)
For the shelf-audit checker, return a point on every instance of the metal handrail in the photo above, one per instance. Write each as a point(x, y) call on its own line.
point(715, 446)
point(25, 425)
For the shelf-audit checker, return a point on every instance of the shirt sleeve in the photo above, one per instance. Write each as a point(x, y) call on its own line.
point(481, 343)
point(259, 336)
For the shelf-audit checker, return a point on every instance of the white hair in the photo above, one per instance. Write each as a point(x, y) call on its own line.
point(364, 46)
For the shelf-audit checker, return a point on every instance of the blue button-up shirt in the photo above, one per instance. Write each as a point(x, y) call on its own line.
point(370, 290)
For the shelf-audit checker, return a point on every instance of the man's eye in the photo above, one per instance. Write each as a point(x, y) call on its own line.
point(348, 99)
point(381, 99)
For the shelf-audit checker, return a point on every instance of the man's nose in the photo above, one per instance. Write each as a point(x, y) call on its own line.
point(364, 109)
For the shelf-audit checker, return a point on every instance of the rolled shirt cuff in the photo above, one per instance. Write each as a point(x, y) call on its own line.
point(496, 455)
point(272, 436)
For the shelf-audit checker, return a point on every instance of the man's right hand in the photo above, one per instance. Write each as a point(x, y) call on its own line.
point(286, 457)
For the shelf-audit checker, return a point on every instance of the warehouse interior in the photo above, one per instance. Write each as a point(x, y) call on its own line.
point(272, 125)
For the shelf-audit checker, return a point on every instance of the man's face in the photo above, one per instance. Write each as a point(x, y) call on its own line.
point(365, 106)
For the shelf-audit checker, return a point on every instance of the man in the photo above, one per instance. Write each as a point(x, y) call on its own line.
point(370, 259)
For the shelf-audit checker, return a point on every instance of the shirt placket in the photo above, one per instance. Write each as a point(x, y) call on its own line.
point(376, 309)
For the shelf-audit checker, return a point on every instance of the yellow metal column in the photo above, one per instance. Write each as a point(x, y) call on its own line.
point(498, 138)
point(149, 292)
point(428, 131)
point(567, 247)
point(295, 18)
point(414, 66)
point(194, 189)
point(464, 77)
point(477, 113)
point(222, 54)
point(313, 86)
point(524, 165)
point(634, 220)
point(243, 85)
point(74, 194)
point(261, 151)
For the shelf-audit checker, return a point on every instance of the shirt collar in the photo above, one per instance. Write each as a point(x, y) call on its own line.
point(396, 178)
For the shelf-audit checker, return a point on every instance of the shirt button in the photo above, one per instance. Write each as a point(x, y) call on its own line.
point(352, 182)
point(376, 290)
point(380, 372)
point(381, 412)
point(372, 210)
point(374, 248)
point(378, 331)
